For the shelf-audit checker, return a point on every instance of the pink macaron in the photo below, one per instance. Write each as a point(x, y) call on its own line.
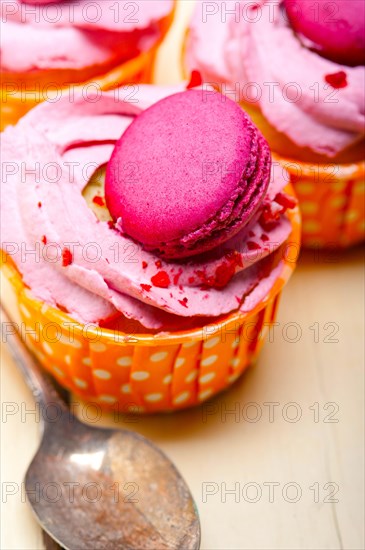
point(336, 30)
point(188, 174)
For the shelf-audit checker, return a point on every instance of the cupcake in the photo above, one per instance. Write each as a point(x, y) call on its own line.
point(49, 45)
point(298, 69)
point(146, 243)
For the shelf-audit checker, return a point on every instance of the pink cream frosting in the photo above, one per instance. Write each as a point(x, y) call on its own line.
point(315, 102)
point(69, 258)
point(78, 33)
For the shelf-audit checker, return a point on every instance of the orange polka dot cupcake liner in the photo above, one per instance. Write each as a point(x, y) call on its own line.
point(332, 202)
point(15, 104)
point(147, 373)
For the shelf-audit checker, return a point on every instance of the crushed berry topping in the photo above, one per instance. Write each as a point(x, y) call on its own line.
point(158, 264)
point(270, 215)
point(268, 219)
point(285, 200)
point(253, 246)
point(147, 288)
point(191, 280)
point(44, 239)
point(144, 265)
point(66, 257)
point(195, 80)
point(223, 273)
point(111, 224)
point(207, 281)
point(235, 258)
point(251, 234)
point(98, 200)
point(337, 80)
point(176, 278)
point(39, 204)
point(161, 279)
point(184, 302)
point(265, 238)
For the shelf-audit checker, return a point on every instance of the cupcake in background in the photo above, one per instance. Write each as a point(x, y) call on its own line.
point(298, 69)
point(50, 45)
point(161, 243)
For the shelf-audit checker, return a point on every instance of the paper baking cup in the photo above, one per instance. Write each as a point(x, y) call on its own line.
point(331, 196)
point(146, 373)
point(332, 202)
point(137, 70)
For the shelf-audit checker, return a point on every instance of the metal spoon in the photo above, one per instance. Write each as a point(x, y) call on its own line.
point(97, 488)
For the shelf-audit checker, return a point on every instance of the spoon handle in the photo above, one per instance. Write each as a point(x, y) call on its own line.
point(38, 382)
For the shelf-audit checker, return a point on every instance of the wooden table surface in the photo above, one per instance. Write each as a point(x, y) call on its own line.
point(275, 463)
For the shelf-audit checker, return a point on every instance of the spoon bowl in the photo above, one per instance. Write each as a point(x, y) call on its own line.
point(101, 489)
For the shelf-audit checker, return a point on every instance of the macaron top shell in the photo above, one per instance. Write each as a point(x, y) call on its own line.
point(335, 30)
point(188, 174)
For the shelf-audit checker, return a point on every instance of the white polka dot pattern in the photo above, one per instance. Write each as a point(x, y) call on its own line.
point(153, 397)
point(110, 399)
point(124, 361)
point(102, 374)
point(181, 398)
point(211, 343)
point(47, 348)
point(207, 378)
point(98, 347)
point(331, 200)
point(80, 383)
point(209, 360)
point(175, 377)
point(157, 357)
point(140, 375)
point(167, 379)
point(151, 377)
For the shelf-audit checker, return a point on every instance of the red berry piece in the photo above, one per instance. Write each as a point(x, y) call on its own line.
point(161, 280)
